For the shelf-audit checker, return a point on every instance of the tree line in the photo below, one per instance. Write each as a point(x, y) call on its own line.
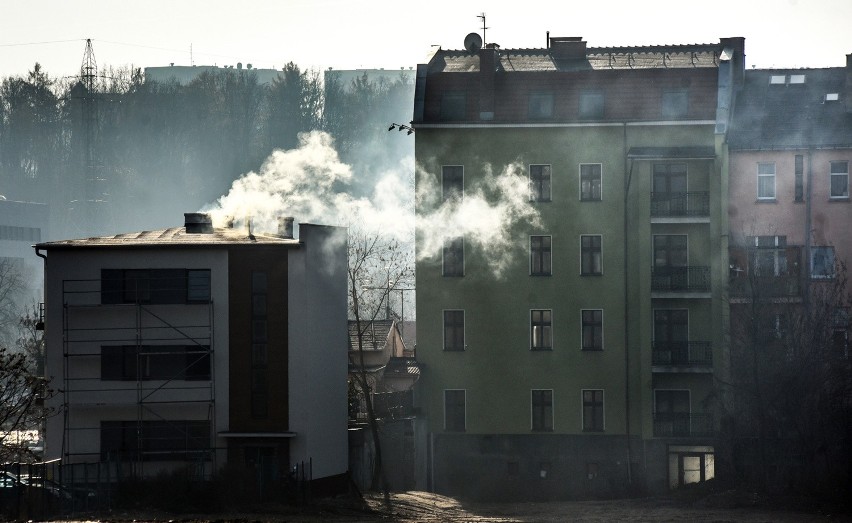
point(154, 150)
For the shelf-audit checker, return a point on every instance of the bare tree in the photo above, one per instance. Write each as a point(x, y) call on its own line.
point(377, 266)
point(788, 395)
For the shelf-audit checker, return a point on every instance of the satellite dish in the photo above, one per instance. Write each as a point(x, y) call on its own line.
point(473, 42)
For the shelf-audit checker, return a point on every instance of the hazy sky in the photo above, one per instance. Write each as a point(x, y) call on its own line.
point(348, 34)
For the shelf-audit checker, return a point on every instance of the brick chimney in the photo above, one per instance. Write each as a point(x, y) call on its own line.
point(567, 47)
point(488, 60)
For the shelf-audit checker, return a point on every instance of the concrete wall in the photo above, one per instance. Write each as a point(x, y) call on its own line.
point(318, 350)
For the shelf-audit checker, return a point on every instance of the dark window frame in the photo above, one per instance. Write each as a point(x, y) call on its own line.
point(591, 255)
point(593, 410)
point(541, 180)
point(541, 255)
point(452, 257)
point(592, 334)
point(541, 410)
point(541, 329)
point(455, 410)
point(591, 182)
point(454, 335)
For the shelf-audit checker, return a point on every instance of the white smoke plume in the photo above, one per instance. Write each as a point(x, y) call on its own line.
point(310, 183)
point(487, 214)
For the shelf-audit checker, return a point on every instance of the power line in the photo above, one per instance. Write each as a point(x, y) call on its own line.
point(42, 43)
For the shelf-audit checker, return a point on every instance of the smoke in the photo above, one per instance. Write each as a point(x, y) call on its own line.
point(486, 217)
point(312, 184)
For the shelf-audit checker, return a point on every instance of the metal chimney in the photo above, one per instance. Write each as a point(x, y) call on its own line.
point(285, 227)
point(197, 223)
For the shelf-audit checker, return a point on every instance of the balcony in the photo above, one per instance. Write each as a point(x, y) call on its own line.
point(682, 425)
point(677, 356)
point(694, 279)
point(681, 205)
point(745, 286)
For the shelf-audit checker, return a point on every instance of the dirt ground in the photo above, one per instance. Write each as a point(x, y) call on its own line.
point(411, 507)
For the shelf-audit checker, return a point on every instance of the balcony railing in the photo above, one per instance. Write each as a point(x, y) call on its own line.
point(743, 285)
point(682, 424)
point(680, 279)
point(682, 353)
point(673, 204)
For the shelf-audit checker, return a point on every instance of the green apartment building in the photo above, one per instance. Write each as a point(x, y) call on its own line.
point(579, 358)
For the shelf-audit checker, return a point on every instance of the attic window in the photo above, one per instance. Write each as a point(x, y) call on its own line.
point(797, 78)
point(832, 97)
point(777, 79)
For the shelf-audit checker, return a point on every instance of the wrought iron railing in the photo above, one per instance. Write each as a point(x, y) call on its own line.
point(682, 424)
point(682, 353)
point(680, 203)
point(680, 279)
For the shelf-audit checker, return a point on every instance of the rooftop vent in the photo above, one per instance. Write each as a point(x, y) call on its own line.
point(567, 47)
point(197, 223)
point(285, 227)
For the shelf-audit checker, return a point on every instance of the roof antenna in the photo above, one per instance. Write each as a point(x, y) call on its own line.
point(483, 27)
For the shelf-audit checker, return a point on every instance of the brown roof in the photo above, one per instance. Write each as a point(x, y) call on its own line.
point(173, 237)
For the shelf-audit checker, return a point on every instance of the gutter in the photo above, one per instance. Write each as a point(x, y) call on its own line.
point(629, 173)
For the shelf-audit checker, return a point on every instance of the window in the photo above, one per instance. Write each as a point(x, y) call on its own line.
point(454, 330)
point(259, 372)
point(453, 255)
point(592, 329)
point(769, 257)
point(160, 440)
point(590, 182)
point(540, 256)
point(799, 177)
point(155, 362)
point(797, 78)
point(832, 97)
point(822, 262)
point(593, 410)
point(539, 183)
point(671, 335)
point(541, 325)
point(776, 79)
point(454, 410)
point(452, 182)
point(840, 179)
point(591, 105)
point(590, 255)
point(453, 106)
point(542, 410)
point(670, 250)
point(675, 103)
point(766, 181)
point(155, 286)
point(540, 105)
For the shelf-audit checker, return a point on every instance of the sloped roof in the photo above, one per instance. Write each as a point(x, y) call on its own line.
point(173, 237)
point(375, 334)
point(689, 56)
point(791, 115)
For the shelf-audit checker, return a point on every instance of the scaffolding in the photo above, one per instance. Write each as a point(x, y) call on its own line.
point(144, 367)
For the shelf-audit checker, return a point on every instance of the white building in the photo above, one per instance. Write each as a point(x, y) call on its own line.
point(202, 346)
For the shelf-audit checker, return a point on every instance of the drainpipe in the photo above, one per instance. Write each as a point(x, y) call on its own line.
point(806, 288)
point(629, 172)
